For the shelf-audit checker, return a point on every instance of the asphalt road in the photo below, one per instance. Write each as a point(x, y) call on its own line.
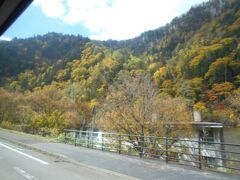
point(17, 163)
point(69, 162)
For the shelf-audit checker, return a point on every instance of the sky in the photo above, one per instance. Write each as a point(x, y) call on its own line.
point(97, 19)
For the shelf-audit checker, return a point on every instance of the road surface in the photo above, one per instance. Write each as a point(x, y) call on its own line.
point(63, 161)
point(17, 163)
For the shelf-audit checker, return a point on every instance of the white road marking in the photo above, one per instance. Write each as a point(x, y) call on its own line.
point(23, 173)
point(20, 149)
point(24, 154)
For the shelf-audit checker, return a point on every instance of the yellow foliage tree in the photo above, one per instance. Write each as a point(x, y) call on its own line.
point(134, 107)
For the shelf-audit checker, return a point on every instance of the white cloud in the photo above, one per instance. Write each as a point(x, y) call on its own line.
point(52, 8)
point(116, 19)
point(4, 38)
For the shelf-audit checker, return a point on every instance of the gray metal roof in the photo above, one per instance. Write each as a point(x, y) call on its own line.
point(199, 124)
point(207, 124)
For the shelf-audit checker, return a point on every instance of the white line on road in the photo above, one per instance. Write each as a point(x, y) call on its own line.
point(24, 154)
point(23, 173)
point(20, 149)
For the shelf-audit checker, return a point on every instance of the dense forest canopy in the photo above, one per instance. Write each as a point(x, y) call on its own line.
point(51, 82)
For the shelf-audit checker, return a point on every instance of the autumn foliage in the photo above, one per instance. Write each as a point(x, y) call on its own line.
point(141, 85)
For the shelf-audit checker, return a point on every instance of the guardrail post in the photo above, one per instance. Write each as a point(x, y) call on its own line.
point(119, 144)
point(80, 137)
point(92, 138)
point(222, 148)
point(141, 146)
point(65, 136)
point(102, 142)
point(199, 153)
point(166, 149)
point(75, 138)
point(88, 139)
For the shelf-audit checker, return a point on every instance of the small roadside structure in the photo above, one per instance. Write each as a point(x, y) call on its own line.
point(210, 134)
point(211, 139)
point(205, 146)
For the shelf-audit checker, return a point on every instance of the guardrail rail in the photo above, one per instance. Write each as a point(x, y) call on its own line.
point(198, 153)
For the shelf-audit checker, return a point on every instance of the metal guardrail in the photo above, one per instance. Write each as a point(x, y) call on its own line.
point(199, 153)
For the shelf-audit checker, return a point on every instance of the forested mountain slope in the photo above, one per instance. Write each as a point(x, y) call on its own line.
point(21, 54)
point(196, 57)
